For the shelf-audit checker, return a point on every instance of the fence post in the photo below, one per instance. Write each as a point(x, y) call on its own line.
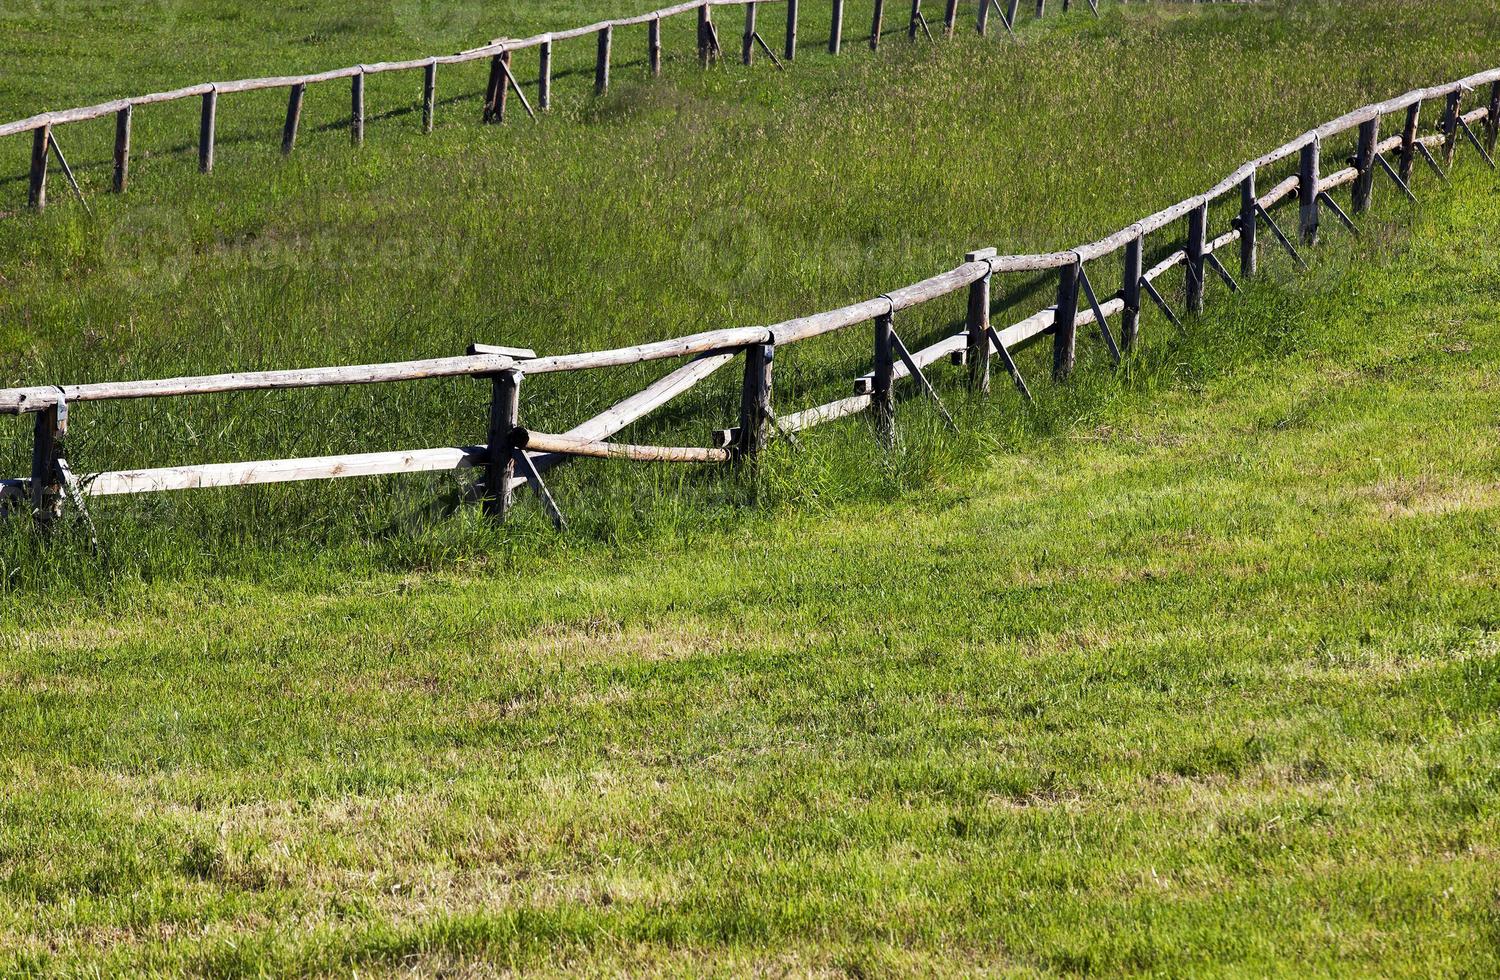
point(1197, 238)
point(1307, 191)
point(357, 109)
point(46, 447)
point(977, 323)
point(1130, 292)
point(1409, 141)
point(1014, 9)
point(880, 390)
point(913, 20)
point(705, 46)
point(747, 48)
point(293, 117)
point(755, 400)
point(499, 465)
point(429, 94)
point(982, 18)
point(1364, 162)
point(1064, 322)
point(836, 33)
point(601, 61)
point(1492, 121)
point(1249, 226)
point(1041, 8)
point(950, 15)
point(876, 22)
point(1450, 126)
point(41, 138)
point(791, 30)
point(653, 46)
point(496, 89)
point(122, 148)
point(206, 123)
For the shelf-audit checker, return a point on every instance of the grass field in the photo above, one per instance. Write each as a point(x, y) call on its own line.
point(1189, 669)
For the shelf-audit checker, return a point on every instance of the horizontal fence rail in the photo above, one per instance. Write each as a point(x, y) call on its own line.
point(514, 456)
point(502, 80)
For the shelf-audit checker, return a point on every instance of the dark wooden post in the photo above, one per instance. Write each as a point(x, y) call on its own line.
point(977, 324)
point(1130, 293)
point(122, 148)
point(950, 16)
point(747, 47)
point(429, 95)
point(1409, 141)
point(601, 61)
point(46, 448)
point(1450, 126)
point(1015, 8)
point(1041, 8)
point(500, 466)
point(1364, 162)
point(836, 35)
point(357, 109)
point(912, 20)
point(1065, 323)
point(41, 138)
point(1492, 121)
point(876, 24)
point(881, 398)
point(495, 90)
point(705, 45)
point(293, 117)
point(206, 123)
point(982, 18)
point(1249, 226)
point(1307, 192)
point(1197, 240)
point(544, 75)
point(791, 30)
point(653, 45)
point(755, 400)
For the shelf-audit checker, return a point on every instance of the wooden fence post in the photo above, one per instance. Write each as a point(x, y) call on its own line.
point(499, 465)
point(41, 139)
point(876, 23)
point(950, 16)
point(977, 324)
point(747, 47)
point(46, 447)
point(1409, 141)
point(122, 148)
point(492, 111)
point(653, 46)
point(791, 30)
point(207, 119)
point(881, 398)
point(429, 95)
point(1492, 121)
point(1249, 226)
point(1307, 191)
point(357, 109)
point(293, 117)
point(1450, 126)
point(755, 400)
point(1014, 9)
point(913, 19)
point(982, 18)
point(544, 75)
point(705, 44)
point(1364, 162)
point(1197, 240)
point(1130, 293)
point(1065, 322)
point(1041, 8)
point(601, 61)
point(836, 33)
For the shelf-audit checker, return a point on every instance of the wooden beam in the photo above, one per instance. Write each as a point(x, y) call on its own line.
point(601, 60)
point(41, 142)
point(977, 325)
point(205, 476)
point(1196, 239)
point(293, 117)
point(1307, 192)
point(500, 464)
point(747, 43)
point(836, 30)
point(1064, 328)
point(653, 46)
point(755, 399)
point(1364, 163)
point(1408, 142)
point(207, 122)
point(880, 393)
point(791, 30)
point(122, 149)
point(1130, 293)
point(429, 95)
point(1248, 227)
point(548, 443)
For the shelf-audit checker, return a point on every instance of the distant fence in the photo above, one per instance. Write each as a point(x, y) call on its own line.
point(513, 455)
point(501, 79)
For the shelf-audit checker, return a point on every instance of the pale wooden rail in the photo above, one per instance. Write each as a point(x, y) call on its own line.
point(514, 455)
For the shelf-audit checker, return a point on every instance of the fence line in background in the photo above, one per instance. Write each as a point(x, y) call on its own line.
point(502, 80)
point(513, 455)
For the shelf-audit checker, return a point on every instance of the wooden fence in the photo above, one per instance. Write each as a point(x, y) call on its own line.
point(514, 456)
point(502, 80)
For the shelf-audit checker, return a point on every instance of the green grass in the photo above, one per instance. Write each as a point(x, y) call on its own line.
point(1191, 668)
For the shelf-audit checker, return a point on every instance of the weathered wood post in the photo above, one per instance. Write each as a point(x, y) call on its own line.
point(1249, 227)
point(1364, 162)
point(977, 324)
point(1130, 293)
point(1409, 141)
point(747, 46)
point(601, 60)
point(122, 148)
point(1197, 240)
point(836, 33)
point(41, 139)
point(982, 18)
point(293, 117)
point(494, 90)
point(950, 17)
point(913, 20)
point(755, 400)
point(46, 449)
point(207, 119)
point(1492, 120)
point(429, 94)
point(1307, 191)
point(791, 30)
point(1450, 126)
point(1065, 322)
point(705, 41)
point(357, 109)
point(876, 24)
point(1014, 9)
point(499, 465)
point(881, 398)
point(1067, 5)
point(544, 74)
point(1041, 8)
point(653, 46)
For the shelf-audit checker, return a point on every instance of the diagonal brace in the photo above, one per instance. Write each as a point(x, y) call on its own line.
point(921, 378)
point(1391, 172)
point(1161, 302)
point(1332, 204)
point(1004, 19)
point(1477, 145)
point(1213, 260)
point(1109, 338)
point(534, 478)
point(520, 92)
point(769, 53)
point(1276, 230)
point(1432, 162)
point(1010, 363)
